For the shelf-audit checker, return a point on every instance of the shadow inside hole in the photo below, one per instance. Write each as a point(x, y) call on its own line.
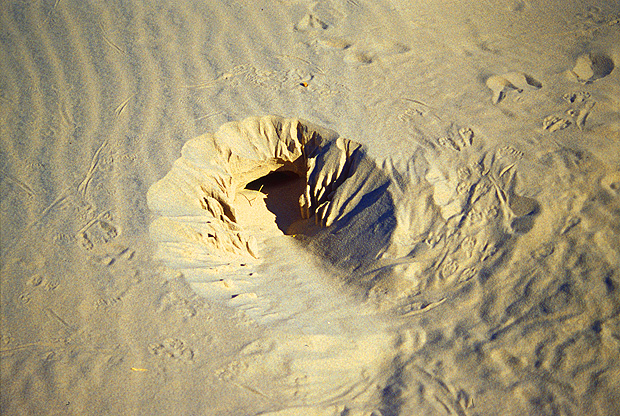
point(602, 65)
point(283, 190)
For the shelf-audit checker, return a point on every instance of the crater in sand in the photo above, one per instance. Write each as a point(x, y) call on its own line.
point(258, 178)
point(404, 231)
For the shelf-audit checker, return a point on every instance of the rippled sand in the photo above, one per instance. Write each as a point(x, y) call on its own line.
point(456, 245)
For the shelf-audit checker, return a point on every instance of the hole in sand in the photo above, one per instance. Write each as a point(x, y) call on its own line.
point(385, 230)
point(277, 192)
point(590, 67)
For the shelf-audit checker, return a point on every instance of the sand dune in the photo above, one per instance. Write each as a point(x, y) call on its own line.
point(440, 236)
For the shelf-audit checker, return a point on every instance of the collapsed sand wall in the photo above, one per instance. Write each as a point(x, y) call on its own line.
point(396, 229)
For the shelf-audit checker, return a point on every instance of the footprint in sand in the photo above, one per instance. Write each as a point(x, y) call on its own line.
point(555, 123)
point(319, 17)
point(98, 231)
point(310, 22)
point(512, 82)
point(355, 54)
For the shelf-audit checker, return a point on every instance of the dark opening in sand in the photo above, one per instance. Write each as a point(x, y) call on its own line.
point(283, 190)
point(388, 231)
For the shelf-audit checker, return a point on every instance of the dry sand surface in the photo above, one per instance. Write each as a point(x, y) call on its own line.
point(292, 207)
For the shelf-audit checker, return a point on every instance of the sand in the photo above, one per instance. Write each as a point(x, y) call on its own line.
point(342, 207)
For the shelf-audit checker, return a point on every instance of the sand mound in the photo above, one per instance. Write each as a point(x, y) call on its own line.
point(210, 190)
point(389, 230)
point(218, 231)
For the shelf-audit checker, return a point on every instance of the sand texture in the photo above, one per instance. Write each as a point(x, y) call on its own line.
point(294, 207)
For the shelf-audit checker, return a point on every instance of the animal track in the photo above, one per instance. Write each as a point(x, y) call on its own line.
point(310, 22)
point(107, 302)
point(316, 27)
point(98, 231)
point(25, 298)
point(172, 348)
point(319, 17)
point(36, 280)
point(542, 252)
point(410, 114)
point(580, 108)
point(555, 123)
point(335, 43)
point(570, 224)
point(356, 56)
point(509, 151)
point(467, 136)
point(465, 139)
point(174, 301)
point(611, 183)
point(113, 254)
point(41, 282)
point(576, 97)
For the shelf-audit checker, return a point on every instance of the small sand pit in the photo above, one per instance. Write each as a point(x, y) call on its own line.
point(592, 66)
